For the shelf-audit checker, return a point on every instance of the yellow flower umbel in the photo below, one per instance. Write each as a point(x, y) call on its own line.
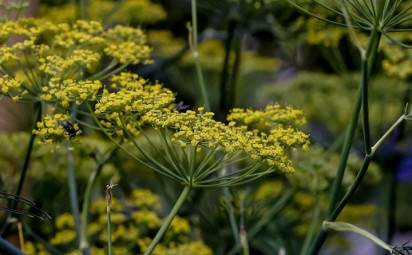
point(195, 149)
point(62, 63)
point(55, 128)
point(132, 97)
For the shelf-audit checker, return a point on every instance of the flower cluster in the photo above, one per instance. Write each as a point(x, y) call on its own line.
point(56, 127)
point(132, 98)
point(11, 87)
point(61, 62)
point(198, 128)
point(67, 91)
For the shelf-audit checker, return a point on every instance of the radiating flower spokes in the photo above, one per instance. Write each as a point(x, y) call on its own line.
point(383, 16)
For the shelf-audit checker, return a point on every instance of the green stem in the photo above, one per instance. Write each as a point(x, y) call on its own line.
point(109, 229)
point(29, 151)
point(224, 89)
point(368, 61)
point(196, 57)
point(24, 168)
point(265, 220)
point(71, 180)
point(84, 243)
point(168, 220)
point(365, 107)
point(353, 188)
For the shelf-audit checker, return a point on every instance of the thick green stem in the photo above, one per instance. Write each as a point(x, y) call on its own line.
point(168, 220)
point(195, 52)
point(368, 60)
point(365, 107)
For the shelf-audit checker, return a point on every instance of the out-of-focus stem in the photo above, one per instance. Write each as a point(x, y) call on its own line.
point(196, 57)
point(168, 220)
point(84, 243)
point(74, 198)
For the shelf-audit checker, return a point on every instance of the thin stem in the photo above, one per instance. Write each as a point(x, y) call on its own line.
point(71, 180)
point(224, 90)
point(195, 52)
point(24, 169)
point(83, 9)
point(168, 220)
point(365, 107)
point(109, 196)
point(84, 243)
point(265, 220)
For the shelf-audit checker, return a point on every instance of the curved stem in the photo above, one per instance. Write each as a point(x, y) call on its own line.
point(168, 220)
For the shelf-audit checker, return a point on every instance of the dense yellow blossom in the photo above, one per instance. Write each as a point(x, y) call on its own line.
point(56, 127)
point(61, 61)
point(198, 128)
point(67, 91)
point(11, 87)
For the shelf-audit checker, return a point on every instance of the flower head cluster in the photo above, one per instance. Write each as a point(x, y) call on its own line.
point(56, 127)
point(62, 60)
point(198, 128)
point(132, 98)
point(11, 87)
point(67, 91)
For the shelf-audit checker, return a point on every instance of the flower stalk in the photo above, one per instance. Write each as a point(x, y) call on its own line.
point(368, 59)
point(178, 204)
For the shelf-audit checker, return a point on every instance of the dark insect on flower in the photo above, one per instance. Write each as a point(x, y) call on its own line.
point(182, 107)
point(69, 128)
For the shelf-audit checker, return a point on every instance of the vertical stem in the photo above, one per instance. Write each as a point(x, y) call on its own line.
point(24, 168)
point(224, 88)
point(29, 151)
point(196, 56)
point(365, 107)
point(84, 243)
point(109, 228)
point(368, 61)
point(179, 202)
point(71, 181)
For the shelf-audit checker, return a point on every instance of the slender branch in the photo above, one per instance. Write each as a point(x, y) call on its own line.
point(196, 57)
point(84, 243)
point(24, 168)
point(71, 181)
point(178, 204)
point(353, 188)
